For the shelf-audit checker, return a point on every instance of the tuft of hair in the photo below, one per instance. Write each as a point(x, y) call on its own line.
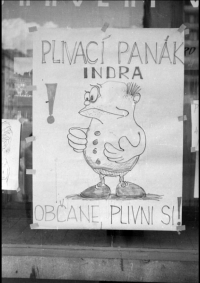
point(97, 85)
point(133, 89)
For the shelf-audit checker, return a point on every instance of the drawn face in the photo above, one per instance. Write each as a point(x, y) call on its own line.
point(92, 95)
point(108, 99)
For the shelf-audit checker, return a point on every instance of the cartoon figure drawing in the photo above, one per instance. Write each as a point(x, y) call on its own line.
point(113, 142)
point(5, 170)
point(6, 137)
point(6, 142)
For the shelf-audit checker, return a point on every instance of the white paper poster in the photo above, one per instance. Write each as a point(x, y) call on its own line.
point(10, 154)
point(195, 125)
point(108, 139)
point(195, 142)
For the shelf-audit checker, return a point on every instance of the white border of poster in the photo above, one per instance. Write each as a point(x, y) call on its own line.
point(108, 122)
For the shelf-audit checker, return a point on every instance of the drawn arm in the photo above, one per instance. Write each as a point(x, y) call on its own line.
point(77, 138)
point(126, 150)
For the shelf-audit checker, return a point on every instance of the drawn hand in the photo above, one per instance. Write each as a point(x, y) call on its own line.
point(125, 153)
point(77, 139)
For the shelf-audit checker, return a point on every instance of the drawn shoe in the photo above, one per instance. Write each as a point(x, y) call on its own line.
point(97, 191)
point(129, 190)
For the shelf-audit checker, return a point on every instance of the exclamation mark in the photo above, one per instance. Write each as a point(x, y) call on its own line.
point(51, 92)
point(179, 209)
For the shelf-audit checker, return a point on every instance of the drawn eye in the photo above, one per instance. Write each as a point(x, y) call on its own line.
point(87, 96)
point(94, 94)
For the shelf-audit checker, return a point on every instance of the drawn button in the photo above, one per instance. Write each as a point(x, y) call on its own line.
point(97, 133)
point(95, 151)
point(95, 142)
point(98, 161)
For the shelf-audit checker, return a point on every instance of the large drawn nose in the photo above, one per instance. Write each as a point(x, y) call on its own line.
point(86, 103)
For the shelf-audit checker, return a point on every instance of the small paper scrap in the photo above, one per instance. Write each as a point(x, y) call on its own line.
point(181, 29)
point(182, 118)
point(30, 171)
point(180, 228)
point(30, 139)
point(34, 225)
point(105, 26)
point(187, 31)
point(30, 88)
point(18, 189)
point(32, 29)
point(48, 3)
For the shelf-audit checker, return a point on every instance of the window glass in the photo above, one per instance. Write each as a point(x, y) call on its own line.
point(17, 70)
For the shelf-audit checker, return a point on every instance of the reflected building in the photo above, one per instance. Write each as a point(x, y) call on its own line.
point(15, 99)
point(7, 83)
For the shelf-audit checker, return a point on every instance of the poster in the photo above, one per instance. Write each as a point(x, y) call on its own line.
point(195, 143)
point(10, 154)
point(108, 143)
point(195, 124)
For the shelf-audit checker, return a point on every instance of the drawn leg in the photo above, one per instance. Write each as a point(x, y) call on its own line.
point(102, 179)
point(101, 190)
point(128, 190)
